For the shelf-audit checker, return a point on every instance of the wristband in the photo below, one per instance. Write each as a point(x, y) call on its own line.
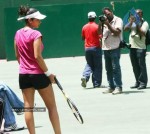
point(47, 73)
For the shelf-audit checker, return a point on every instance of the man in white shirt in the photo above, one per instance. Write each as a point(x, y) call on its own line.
point(138, 49)
point(112, 35)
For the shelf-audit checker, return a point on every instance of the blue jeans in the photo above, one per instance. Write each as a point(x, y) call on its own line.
point(113, 70)
point(138, 62)
point(94, 65)
point(11, 100)
point(87, 72)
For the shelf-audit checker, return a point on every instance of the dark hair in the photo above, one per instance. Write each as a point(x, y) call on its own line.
point(91, 19)
point(106, 8)
point(25, 10)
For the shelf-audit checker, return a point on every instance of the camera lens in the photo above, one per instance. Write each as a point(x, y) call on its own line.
point(102, 18)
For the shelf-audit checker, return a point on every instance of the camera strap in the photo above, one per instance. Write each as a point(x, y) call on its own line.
point(102, 28)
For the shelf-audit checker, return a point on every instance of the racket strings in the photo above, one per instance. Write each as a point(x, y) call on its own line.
point(75, 111)
point(70, 103)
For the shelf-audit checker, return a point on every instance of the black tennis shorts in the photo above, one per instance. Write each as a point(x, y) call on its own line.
point(36, 81)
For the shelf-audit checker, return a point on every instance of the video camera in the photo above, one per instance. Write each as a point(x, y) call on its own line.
point(102, 18)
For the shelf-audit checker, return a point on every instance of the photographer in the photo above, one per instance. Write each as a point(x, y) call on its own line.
point(138, 49)
point(112, 26)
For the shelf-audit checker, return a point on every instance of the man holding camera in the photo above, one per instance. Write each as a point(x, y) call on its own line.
point(138, 48)
point(112, 27)
point(93, 52)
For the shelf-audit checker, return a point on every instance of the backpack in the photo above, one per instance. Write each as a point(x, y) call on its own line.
point(147, 39)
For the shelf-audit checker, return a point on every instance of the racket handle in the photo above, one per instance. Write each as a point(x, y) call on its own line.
point(56, 80)
point(58, 84)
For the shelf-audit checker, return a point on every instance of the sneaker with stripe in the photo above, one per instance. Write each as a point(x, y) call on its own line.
point(13, 127)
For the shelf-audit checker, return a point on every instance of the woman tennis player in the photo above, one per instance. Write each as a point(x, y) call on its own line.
point(33, 72)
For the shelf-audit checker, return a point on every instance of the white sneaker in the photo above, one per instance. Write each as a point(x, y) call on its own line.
point(117, 91)
point(13, 127)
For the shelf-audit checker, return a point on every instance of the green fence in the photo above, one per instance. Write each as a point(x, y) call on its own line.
point(62, 28)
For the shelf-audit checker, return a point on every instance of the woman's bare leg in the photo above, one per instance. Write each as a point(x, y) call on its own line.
point(28, 96)
point(47, 95)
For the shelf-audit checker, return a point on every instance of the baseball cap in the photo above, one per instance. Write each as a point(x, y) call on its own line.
point(36, 15)
point(92, 14)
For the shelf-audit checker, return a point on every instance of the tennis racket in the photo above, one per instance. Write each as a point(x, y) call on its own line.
point(71, 104)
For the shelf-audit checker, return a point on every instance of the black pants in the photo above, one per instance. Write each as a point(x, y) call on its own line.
point(138, 62)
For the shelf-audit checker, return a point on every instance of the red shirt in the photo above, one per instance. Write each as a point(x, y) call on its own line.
point(90, 34)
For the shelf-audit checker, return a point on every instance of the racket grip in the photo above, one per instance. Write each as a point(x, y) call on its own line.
point(58, 84)
point(56, 80)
